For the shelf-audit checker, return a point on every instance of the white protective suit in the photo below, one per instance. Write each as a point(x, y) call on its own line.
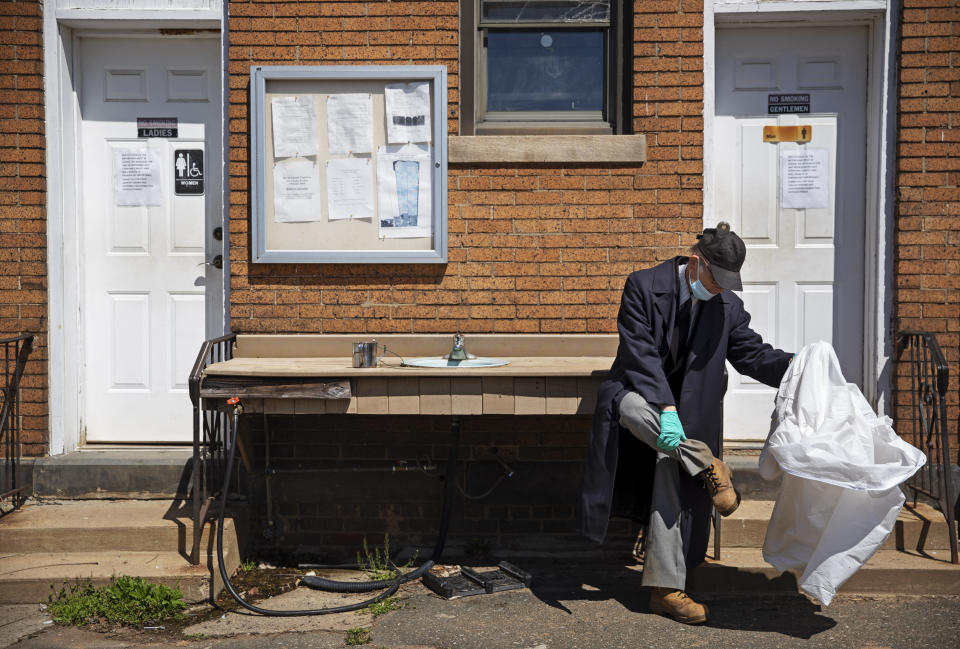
point(842, 466)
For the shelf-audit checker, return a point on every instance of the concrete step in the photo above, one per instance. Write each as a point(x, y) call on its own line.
point(746, 476)
point(129, 525)
point(113, 473)
point(747, 527)
point(888, 571)
point(32, 577)
point(43, 545)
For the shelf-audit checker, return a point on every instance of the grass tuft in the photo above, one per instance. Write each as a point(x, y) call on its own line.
point(130, 601)
point(385, 605)
point(358, 636)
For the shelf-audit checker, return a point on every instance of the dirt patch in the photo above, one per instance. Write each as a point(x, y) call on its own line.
point(260, 583)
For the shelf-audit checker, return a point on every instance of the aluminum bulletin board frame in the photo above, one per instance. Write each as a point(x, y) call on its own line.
point(321, 79)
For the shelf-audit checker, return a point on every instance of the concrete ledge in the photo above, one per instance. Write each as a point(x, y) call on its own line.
point(920, 526)
point(127, 473)
point(537, 149)
point(29, 577)
point(49, 543)
point(887, 571)
point(25, 477)
point(746, 477)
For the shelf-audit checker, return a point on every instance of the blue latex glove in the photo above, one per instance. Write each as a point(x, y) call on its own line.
point(671, 431)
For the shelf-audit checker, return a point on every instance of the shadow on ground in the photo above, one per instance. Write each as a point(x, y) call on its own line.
point(778, 608)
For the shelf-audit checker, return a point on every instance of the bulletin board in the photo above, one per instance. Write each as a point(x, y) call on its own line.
point(348, 164)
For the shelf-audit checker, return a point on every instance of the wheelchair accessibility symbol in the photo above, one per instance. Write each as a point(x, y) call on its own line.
point(188, 172)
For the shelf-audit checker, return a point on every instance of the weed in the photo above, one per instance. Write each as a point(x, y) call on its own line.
point(377, 566)
point(358, 636)
point(385, 605)
point(74, 604)
point(193, 636)
point(248, 565)
point(127, 600)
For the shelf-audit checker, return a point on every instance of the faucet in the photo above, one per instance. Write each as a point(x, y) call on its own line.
point(458, 353)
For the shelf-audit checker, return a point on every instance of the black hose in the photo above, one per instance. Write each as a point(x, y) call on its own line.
point(394, 585)
point(448, 489)
point(322, 583)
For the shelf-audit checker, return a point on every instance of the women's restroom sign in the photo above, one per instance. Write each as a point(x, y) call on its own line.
point(188, 172)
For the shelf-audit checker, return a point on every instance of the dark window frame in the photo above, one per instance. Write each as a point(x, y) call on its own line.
point(615, 117)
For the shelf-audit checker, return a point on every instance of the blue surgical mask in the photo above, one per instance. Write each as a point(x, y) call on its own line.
point(698, 289)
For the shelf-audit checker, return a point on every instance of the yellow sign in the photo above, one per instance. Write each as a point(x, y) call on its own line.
point(798, 133)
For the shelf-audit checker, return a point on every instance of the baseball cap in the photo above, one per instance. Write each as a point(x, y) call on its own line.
point(725, 252)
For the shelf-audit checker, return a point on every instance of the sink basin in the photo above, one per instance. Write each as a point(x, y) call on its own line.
point(443, 362)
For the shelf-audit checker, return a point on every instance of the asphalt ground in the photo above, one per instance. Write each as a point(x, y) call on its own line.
point(574, 608)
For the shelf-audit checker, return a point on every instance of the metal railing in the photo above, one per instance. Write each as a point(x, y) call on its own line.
point(15, 352)
point(717, 520)
point(927, 426)
point(210, 428)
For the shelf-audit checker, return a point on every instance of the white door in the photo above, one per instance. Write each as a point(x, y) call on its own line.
point(146, 237)
point(803, 277)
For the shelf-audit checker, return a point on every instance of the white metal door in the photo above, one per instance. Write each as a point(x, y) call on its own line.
point(803, 277)
point(146, 288)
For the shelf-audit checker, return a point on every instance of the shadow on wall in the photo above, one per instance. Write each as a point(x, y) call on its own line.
point(517, 485)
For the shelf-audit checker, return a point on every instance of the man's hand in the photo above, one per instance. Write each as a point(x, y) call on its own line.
point(671, 430)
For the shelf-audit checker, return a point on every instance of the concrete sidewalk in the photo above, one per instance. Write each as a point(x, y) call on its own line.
point(569, 607)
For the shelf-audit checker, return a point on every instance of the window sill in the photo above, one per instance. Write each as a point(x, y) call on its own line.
point(479, 149)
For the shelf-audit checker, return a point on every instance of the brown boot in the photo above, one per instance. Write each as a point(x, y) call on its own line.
point(678, 605)
point(719, 481)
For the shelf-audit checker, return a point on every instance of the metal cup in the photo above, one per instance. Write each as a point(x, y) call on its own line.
point(365, 354)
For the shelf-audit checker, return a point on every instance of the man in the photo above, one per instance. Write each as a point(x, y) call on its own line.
point(658, 423)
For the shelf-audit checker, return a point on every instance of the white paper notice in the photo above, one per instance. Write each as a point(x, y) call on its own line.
point(294, 126)
point(136, 177)
point(403, 190)
point(296, 191)
point(408, 112)
point(350, 188)
point(350, 123)
point(804, 179)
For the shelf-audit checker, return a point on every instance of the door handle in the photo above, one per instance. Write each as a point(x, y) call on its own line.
point(216, 262)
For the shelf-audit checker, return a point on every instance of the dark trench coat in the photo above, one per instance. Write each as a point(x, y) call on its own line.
point(618, 475)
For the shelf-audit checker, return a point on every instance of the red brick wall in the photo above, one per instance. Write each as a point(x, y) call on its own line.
point(23, 242)
point(531, 248)
point(927, 240)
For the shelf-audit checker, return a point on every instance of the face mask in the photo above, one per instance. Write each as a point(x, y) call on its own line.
point(698, 289)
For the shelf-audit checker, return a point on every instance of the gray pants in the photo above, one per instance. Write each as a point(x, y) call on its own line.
point(663, 565)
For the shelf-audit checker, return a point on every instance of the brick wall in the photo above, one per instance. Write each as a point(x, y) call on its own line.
point(332, 511)
point(23, 242)
point(927, 240)
point(531, 249)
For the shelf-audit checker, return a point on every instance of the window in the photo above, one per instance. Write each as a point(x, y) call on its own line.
point(542, 67)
